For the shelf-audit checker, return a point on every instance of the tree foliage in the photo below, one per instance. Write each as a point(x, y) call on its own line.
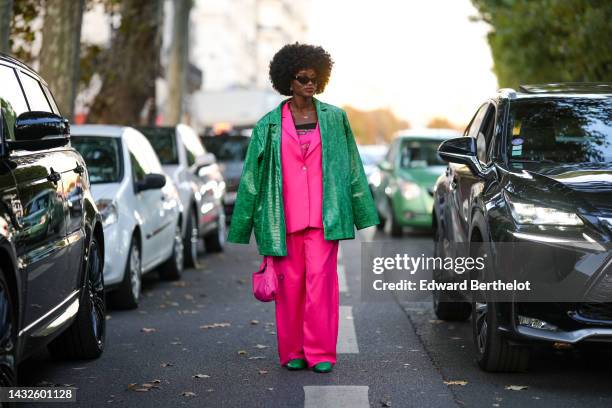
point(440, 122)
point(23, 33)
point(375, 126)
point(539, 41)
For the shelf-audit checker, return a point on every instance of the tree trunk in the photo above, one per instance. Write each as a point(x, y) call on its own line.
point(6, 15)
point(59, 55)
point(131, 67)
point(176, 75)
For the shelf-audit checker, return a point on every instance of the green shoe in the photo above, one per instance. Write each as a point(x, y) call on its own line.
point(324, 367)
point(296, 364)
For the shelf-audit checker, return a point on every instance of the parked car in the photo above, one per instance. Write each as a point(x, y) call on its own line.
point(199, 182)
point(140, 207)
point(403, 195)
point(51, 239)
point(533, 167)
point(230, 151)
point(371, 155)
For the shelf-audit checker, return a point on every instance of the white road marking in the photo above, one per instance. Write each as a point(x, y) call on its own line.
point(336, 396)
point(347, 337)
point(342, 286)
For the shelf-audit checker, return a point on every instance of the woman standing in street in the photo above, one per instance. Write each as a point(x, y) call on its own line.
point(303, 189)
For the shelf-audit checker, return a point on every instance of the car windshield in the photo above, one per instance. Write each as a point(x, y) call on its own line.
point(570, 130)
point(227, 148)
point(420, 153)
point(163, 140)
point(102, 157)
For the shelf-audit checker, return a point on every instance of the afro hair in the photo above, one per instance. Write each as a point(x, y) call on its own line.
point(293, 58)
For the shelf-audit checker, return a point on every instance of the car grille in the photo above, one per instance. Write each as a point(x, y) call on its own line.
point(596, 311)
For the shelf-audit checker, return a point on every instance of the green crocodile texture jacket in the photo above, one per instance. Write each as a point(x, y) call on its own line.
point(347, 201)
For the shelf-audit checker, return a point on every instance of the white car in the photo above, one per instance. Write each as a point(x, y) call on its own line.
point(140, 208)
point(199, 182)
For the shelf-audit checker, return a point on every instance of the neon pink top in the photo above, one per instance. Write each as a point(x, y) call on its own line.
point(302, 175)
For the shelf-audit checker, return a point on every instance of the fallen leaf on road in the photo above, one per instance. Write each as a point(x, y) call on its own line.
point(240, 281)
point(179, 284)
point(456, 382)
point(270, 389)
point(201, 376)
point(385, 403)
point(254, 322)
point(214, 325)
point(188, 394)
point(148, 330)
point(261, 346)
point(436, 321)
point(242, 352)
point(516, 387)
point(156, 381)
point(136, 387)
point(263, 372)
point(167, 364)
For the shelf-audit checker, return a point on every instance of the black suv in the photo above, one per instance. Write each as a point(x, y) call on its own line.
point(534, 168)
point(51, 237)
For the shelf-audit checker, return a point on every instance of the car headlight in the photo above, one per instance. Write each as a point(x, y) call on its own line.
point(108, 211)
point(375, 178)
point(409, 190)
point(527, 213)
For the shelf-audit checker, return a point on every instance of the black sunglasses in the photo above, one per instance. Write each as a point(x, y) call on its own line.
point(302, 79)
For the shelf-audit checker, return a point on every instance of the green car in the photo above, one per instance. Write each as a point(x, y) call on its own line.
point(403, 187)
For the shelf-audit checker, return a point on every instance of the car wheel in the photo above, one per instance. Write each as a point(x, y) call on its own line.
point(85, 337)
point(393, 227)
point(494, 351)
point(447, 307)
point(191, 241)
point(215, 241)
point(128, 293)
point(8, 336)
point(173, 267)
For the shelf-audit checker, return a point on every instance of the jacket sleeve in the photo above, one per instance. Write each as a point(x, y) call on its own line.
point(248, 190)
point(364, 210)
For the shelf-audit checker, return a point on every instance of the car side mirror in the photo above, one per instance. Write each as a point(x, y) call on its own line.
point(208, 159)
point(385, 166)
point(204, 164)
point(151, 181)
point(40, 130)
point(462, 150)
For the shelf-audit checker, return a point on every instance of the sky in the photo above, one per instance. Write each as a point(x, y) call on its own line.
point(420, 58)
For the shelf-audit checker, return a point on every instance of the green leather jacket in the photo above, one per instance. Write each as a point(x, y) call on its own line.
point(347, 201)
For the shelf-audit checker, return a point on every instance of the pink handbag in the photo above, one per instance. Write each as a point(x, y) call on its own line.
point(265, 282)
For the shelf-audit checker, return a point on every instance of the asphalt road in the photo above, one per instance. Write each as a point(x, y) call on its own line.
point(206, 342)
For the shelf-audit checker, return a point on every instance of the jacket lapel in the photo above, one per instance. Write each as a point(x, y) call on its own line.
point(288, 124)
point(322, 117)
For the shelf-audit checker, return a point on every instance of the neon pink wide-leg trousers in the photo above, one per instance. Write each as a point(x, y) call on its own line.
point(307, 300)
